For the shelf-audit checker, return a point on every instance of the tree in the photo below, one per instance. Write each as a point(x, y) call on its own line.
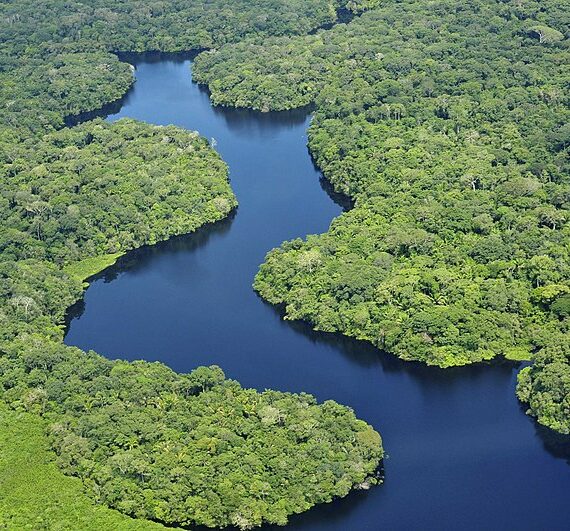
point(546, 34)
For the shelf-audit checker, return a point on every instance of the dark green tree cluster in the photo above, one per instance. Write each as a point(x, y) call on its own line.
point(447, 123)
point(38, 92)
point(545, 385)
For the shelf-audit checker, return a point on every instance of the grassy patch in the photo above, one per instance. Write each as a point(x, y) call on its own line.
point(84, 269)
point(518, 354)
point(35, 494)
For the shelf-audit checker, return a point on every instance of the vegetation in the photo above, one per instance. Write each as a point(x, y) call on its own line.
point(447, 124)
point(156, 445)
point(35, 492)
point(133, 25)
point(39, 91)
point(545, 385)
point(88, 267)
point(99, 189)
point(81, 196)
point(187, 449)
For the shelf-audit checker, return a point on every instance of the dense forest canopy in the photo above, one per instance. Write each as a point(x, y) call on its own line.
point(99, 188)
point(94, 190)
point(179, 25)
point(448, 124)
point(192, 448)
point(56, 498)
point(176, 448)
point(55, 58)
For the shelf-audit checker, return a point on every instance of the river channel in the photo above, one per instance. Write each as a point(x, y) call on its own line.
point(462, 454)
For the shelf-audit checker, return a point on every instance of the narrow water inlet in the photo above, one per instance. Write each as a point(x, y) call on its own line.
point(462, 452)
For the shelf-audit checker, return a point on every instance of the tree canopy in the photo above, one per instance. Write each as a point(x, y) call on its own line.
point(188, 448)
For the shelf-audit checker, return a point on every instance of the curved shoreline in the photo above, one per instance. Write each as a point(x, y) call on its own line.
point(71, 121)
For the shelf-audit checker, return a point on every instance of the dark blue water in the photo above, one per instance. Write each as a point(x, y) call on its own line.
point(462, 453)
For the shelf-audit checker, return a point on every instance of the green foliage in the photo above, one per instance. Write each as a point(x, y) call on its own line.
point(102, 188)
point(35, 494)
point(38, 92)
point(187, 449)
point(561, 306)
point(399, 53)
point(156, 445)
point(134, 25)
point(88, 267)
point(545, 385)
point(80, 197)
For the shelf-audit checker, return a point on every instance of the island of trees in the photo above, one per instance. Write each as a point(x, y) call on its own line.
point(179, 449)
point(448, 125)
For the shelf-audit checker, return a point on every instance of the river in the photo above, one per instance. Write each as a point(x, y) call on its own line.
point(462, 454)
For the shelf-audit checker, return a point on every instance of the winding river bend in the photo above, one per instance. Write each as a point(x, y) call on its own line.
point(462, 453)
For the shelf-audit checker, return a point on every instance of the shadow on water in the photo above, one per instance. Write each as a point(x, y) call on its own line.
point(139, 259)
point(342, 200)
point(320, 515)
point(132, 58)
point(102, 112)
point(241, 120)
point(556, 444)
point(153, 57)
point(327, 513)
point(365, 354)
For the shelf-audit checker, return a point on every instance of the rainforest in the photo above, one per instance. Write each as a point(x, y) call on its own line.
point(442, 130)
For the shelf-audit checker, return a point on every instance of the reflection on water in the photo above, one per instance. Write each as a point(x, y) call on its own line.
point(246, 121)
point(462, 453)
point(140, 258)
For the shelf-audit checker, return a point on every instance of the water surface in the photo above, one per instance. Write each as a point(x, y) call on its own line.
point(462, 453)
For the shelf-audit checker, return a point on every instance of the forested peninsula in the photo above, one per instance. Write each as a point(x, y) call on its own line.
point(178, 449)
point(448, 125)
